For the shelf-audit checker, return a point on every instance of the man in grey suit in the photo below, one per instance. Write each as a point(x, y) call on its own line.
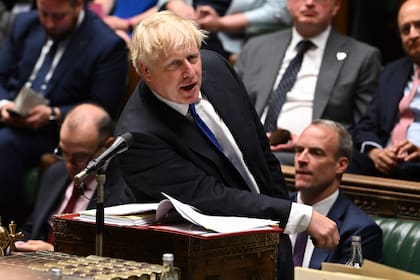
point(336, 79)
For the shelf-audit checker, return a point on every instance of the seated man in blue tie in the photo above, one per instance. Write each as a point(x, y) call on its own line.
point(322, 154)
point(187, 119)
point(66, 54)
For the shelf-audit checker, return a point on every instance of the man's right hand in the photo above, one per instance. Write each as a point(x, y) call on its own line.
point(8, 118)
point(180, 8)
point(323, 231)
point(385, 160)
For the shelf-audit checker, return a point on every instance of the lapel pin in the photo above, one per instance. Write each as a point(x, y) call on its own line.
point(341, 56)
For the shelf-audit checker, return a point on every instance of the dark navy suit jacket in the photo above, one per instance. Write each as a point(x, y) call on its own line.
point(350, 220)
point(53, 186)
point(92, 68)
point(379, 121)
point(382, 113)
point(171, 155)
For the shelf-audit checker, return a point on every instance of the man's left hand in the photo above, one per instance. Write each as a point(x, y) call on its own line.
point(33, 246)
point(407, 151)
point(38, 116)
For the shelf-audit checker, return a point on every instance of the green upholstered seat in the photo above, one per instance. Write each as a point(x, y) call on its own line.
point(401, 248)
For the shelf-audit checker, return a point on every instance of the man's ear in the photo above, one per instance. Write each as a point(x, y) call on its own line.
point(108, 142)
point(342, 164)
point(144, 72)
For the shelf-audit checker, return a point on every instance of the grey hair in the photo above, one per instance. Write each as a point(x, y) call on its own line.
point(345, 143)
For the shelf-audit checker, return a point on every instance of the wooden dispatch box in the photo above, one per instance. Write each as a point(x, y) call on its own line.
point(239, 256)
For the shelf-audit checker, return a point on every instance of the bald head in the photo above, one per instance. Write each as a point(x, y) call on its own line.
point(409, 27)
point(88, 119)
point(85, 133)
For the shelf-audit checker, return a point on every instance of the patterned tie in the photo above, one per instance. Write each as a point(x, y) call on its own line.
point(68, 209)
point(399, 133)
point(300, 246)
point(203, 127)
point(38, 84)
point(73, 199)
point(286, 83)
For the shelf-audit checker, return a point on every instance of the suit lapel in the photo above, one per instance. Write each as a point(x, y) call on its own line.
point(328, 72)
point(336, 214)
point(75, 48)
point(238, 126)
point(272, 64)
point(33, 48)
point(49, 198)
point(395, 92)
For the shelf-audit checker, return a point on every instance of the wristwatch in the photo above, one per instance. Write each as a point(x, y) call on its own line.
point(53, 116)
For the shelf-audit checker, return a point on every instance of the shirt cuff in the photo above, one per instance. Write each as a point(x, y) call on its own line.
point(2, 102)
point(368, 145)
point(299, 218)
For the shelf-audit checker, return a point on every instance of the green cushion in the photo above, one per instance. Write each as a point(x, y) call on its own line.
point(401, 248)
point(30, 187)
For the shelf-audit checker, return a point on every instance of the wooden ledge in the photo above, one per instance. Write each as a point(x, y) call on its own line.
point(376, 195)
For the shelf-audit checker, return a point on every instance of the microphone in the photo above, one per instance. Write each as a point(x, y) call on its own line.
point(120, 145)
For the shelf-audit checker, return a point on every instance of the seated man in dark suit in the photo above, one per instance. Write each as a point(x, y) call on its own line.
point(186, 118)
point(387, 138)
point(336, 79)
point(85, 134)
point(66, 54)
point(323, 152)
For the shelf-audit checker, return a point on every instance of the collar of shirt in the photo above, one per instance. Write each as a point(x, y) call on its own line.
point(80, 19)
point(323, 206)
point(319, 41)
point(180, 108)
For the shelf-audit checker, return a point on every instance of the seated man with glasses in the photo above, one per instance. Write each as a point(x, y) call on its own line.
point(86, 132)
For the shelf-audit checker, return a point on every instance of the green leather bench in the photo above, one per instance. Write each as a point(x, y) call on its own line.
point(401, 238)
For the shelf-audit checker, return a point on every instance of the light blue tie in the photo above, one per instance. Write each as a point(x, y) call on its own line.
point(38, 84)
point(203, 127)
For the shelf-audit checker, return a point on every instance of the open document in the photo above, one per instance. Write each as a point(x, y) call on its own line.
point(27, 99)
point(171, 210)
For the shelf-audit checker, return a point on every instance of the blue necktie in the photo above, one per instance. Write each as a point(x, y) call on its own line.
point(286, 83)
point(203, 127)
point(300, 246)
point(38, 84)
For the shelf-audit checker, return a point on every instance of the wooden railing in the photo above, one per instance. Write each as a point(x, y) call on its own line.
point(376, 195)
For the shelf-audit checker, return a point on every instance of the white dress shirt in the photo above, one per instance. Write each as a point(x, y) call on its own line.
point(323, 207)
point(296, 113)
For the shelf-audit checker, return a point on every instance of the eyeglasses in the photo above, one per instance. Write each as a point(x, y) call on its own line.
point(77, 159)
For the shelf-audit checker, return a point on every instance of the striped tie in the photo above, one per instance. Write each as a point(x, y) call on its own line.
point(278, 97)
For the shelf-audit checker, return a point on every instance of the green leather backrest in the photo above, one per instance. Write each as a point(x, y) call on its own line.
point(30, 185)
point(401, 248)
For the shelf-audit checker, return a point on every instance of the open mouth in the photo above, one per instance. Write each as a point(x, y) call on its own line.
point(188, 87)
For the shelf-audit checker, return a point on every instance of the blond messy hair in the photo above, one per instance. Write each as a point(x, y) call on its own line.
point(160, 33)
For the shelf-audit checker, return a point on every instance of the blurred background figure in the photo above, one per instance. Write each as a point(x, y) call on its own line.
point(87, 131)
point(387, 138)
point(231, 22)
point(123, 15)
point(66, 54)
point(307, 72)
